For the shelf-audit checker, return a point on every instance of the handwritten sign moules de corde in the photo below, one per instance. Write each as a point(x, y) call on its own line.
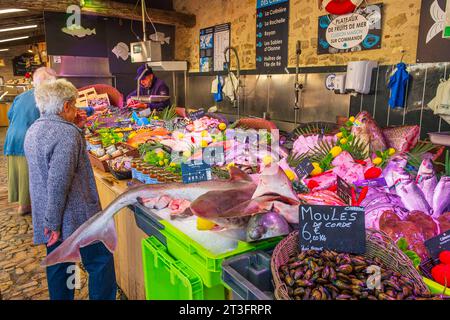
point(337, 228)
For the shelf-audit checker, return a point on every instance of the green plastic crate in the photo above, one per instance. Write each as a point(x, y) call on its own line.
point(205, 263)
point(169, 279)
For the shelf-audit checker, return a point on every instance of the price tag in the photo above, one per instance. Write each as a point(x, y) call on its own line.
point(304, 168)
point(335, 228)
point(344, 190)
point(195, 172)
point(197, 114)
point(438, 244)
point(378, 182)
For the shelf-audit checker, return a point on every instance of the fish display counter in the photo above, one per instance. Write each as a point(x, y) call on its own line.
point(188, 191)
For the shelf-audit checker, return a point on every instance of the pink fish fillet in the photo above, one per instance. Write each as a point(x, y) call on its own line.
point(100, 227)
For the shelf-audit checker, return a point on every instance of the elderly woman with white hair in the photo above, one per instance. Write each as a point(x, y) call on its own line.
point(21, 115)
point(63, 191)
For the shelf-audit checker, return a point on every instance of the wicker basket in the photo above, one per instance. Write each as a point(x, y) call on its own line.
point(378, 244)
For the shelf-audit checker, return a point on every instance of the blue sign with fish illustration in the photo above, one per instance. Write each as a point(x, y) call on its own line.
point(357, 31)
point(195, 171)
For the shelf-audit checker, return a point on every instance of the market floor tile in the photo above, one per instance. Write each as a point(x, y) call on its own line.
point(21, 276)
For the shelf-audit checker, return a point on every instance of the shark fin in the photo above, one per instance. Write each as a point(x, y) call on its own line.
point(109, 236)
point(237, 174)
point(273, 180)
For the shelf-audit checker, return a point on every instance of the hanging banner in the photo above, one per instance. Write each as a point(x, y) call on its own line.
point(213, 42)
point(431, 46)
point(352, 32)
point(272, 32)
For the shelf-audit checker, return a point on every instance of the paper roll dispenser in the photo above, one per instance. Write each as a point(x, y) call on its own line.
point(359, 76)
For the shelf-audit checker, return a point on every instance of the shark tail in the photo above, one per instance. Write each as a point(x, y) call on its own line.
point(69, 250)
point(91, 231)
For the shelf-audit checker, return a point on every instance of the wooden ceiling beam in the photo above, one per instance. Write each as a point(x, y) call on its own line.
point(106, 8)
point(16, 22)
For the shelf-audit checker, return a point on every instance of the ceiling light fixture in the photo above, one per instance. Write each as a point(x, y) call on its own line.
point(3, 50)
point(3, 11)
point(33, 26)
point(14, 39)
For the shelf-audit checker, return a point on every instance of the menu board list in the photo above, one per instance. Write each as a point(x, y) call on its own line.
point(272, 29)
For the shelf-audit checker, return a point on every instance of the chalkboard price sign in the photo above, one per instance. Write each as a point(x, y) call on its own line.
point(438, 244)
point(344, 190)
point(195, 115)
point(304, 168)
point(332, 227)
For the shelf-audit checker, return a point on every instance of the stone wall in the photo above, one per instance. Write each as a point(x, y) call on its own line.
point(400, 31)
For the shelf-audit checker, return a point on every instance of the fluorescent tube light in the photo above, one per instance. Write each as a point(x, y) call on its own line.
point(11, 10)
point(33, 26)
point(14, 39)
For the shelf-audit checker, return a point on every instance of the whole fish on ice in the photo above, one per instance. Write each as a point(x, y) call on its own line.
point(426, 180)
point(243, 198)
point(366, 129)
point(101, 225)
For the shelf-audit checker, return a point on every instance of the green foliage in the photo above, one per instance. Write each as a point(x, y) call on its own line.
point(415, 154)
point(402, 244)
point(148, 147)
point(447, 163)
point(320, 153)
point(109, 137)
point(357, 148)
point(220, 173)
point(168, 113)
point(312, 128)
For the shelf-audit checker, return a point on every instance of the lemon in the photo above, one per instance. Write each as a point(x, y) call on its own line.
point(231, 164)
point(317, 169)
point(180, 136)
point(377, 161)
point(290, 174)
point(160, 154)
point(203, 224)
point(204, 143)
point(343, 141)
point(155, 118)
point(204, 133)
point(173, 164)
point(187, 154)
point(339, 134)
point(335, 151)
point(166, 161)
point(222, 126)
point(120, 135)
point(267, 160)
point(113, 141)
point(351, 119)
point(214, 140)
point(161, 163)
point(391, 151)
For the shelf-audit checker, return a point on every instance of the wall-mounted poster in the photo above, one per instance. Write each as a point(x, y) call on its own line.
point(213, 42)
point(432, 46)
point(352, 32)
point(272, 34)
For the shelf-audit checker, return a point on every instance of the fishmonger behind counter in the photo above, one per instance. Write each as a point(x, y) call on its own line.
point(150, 85)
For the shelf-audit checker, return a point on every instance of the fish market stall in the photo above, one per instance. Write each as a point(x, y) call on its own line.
point(193, 191)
